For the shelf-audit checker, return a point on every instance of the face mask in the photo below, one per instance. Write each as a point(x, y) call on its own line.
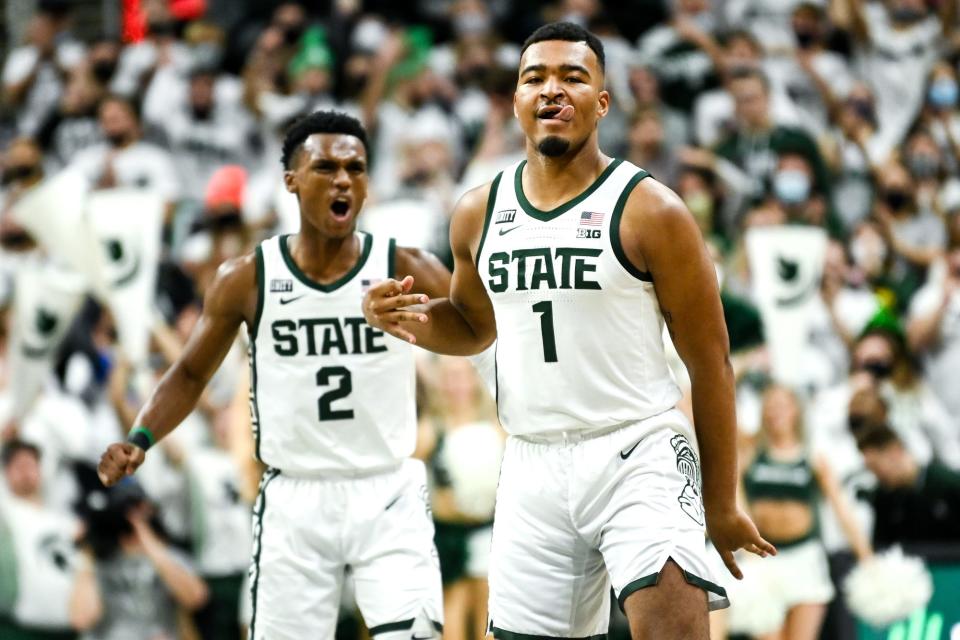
point(856, 422)
point(879, 369)
point(225, 221)
point(705, 21)
point(898, 200)
point(292, 33)
point(791, 186)
point(869, 253)
point(207, 55)
point(806, 39)
point(18, 173)
point(471, 23)
point(863, 108)
point(700, 205)
point(906, 15)
point(117, 139)
point(160, 29)
point(943, 93)
point(201, 113)
point(14, 240)
point(923, 165)
point(103, 70)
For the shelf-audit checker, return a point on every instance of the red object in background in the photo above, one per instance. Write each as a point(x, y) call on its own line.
point(226, 187)
point(134, 19)
point(184, 10)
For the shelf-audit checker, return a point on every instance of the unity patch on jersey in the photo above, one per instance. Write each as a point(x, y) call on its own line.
point(506, 216)
point(281, 286)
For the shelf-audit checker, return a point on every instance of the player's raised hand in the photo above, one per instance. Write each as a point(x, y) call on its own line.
point(734, 530)
point(120, 459)
point(389, 303)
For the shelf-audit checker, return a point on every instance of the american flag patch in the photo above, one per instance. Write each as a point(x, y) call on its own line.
point(591, 219)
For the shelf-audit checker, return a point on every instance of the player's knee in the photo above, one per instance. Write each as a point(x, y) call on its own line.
point(672, 609)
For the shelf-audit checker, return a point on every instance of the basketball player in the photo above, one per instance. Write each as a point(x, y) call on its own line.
point(340, 493)
point(573, 261)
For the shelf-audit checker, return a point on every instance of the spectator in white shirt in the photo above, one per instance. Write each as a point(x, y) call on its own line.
point(33, 74)
point(125, 160)
point(934, 331)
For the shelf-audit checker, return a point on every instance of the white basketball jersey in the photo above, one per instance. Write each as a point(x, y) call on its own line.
point(579, 328)
point(330, 394)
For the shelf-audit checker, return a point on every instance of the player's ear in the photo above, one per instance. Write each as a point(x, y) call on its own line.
point(289, 182)
point(603, 104)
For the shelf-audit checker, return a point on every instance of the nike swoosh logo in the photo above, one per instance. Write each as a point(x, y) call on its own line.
point(504, 232)
point(293, 299)
point(624, 456)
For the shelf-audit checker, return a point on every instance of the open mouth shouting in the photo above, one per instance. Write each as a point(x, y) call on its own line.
point(555, 112)
point(340, 208)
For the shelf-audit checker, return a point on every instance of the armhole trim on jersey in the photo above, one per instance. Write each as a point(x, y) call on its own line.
point(547, 216)
point(491, 201)
point(392, 258)
point(261, 292)
point(336, 284)
point(615, 229)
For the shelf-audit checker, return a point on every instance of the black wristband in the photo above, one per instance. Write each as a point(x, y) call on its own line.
point(141, 437)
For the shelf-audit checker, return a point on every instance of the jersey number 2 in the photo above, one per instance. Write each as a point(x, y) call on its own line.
point(545, 309)
point(324, 377)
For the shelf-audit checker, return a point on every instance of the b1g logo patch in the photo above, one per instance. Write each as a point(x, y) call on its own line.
point(592, 234)
point(690, 498)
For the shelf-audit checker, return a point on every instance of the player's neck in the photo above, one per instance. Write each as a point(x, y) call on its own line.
point(322, 258)
point(549, 182)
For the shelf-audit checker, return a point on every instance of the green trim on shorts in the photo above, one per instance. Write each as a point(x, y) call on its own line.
point(654, 578)
point(268, 477)
point(400, 626)
point(510, 635)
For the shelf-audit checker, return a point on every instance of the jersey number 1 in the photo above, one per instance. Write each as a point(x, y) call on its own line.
point(324, 377)
point(545, 309)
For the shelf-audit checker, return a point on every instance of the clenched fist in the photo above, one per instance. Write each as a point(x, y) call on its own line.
point(120, 459)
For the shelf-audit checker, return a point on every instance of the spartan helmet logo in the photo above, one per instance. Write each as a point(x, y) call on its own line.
point(44, 327)
point(795, 283)
point(687, 464)
point(57, 550)
point(123, 265)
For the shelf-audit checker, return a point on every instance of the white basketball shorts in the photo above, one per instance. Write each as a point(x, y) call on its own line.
point(575, 517)
point(308, 532)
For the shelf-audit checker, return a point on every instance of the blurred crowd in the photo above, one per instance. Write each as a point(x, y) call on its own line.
point(837, 114)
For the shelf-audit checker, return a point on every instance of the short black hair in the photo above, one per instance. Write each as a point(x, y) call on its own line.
point(568, 32)
point(876, 436)
point(320, 122)
point(13, 447)
point(133, 104)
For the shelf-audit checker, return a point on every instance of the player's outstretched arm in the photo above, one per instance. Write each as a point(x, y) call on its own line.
point(459, 323)
point(661, 237)
point(230, 300)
